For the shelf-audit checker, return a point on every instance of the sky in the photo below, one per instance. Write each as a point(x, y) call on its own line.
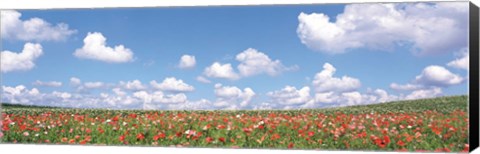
point(234, 57)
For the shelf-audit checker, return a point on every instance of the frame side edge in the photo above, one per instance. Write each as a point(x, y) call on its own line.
point(474, 76)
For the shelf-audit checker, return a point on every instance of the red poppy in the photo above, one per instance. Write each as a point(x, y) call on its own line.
point(290, 145)
point(221, 127)
point(5, 127)
point(83, 142)
point(64, 139)
point(400, 143)
point(121, 138)
point(466, 148)
point(140, 136)
point(221, 139)
point(209, 139)
point(275, 136)
point(311, 133)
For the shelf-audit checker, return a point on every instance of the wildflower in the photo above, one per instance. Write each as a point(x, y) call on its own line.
point(140, 136)
point(121, 138)
point(221, 139)
point(209, 139)
point(290, 145)
point(25, 134)
point(311, 133)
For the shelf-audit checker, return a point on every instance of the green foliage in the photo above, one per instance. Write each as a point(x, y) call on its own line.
point(439, 124)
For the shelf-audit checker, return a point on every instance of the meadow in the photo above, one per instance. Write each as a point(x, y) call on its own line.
point(437, 124)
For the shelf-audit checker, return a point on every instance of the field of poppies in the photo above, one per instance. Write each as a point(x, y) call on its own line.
point(439, 124)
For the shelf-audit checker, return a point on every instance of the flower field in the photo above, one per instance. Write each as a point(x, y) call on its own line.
point(439, 124)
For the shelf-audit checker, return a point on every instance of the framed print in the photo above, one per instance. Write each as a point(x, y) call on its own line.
point(381, 76)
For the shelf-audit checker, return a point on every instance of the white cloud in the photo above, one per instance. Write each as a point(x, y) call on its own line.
point(47, 84)
point(290, 95)
point(326, 97)
point(132, 85)
point(203, 79)
point(34, 29)
point(406, 87)
point(354, 98)
point(202, 104)
point(119, 92)
point(93, 85)
point(429, 28)
point(75, 81)
point(63, 95)
point(434, 75)
point(20, 95)
point(253, 62)
point(424, 93)
point(218, 70)
point(232, 97)
point(325, 82)
point(95, 48)
point(172, 84)
point(187, 61)
point(160, 97)
point(462, 62)
point(11, 61)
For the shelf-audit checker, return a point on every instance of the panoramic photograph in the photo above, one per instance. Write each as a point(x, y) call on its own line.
point(358, 77)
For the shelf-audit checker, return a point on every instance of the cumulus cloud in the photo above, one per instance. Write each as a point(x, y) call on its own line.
point(132, 85)
point(34, 29)
point(47, 83)
point(462, 62)
point(187, 61)
point(232, 97)
point(406, 87)
point(291, 96)
point(95, 48)
point(435, 75)
point(428, 28)
point(203, 79)
point(218, 70)
point(172, 84)
point(424, 93)
point(93, 85)
point(325, 82)
point(253, 62)
point(75, 81)
point(152, 100)
point(22, 95)
point(430, 80)
point(202, 104)
point(353, 98)
point(12, 61)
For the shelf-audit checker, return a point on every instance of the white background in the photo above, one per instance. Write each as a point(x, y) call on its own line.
point(73, 149)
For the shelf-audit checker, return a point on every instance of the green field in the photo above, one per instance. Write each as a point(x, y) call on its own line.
point(439, 124)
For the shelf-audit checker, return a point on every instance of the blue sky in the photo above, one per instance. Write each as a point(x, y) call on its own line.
point(375, 53)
